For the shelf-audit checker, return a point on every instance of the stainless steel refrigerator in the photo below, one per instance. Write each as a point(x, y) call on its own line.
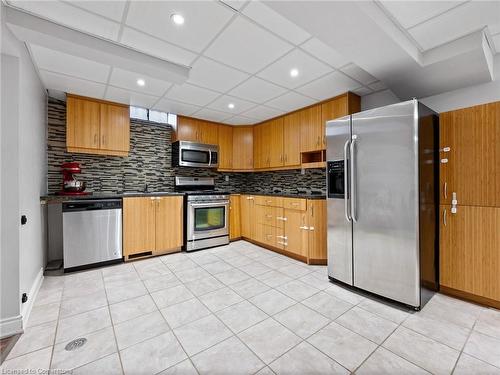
point(382, 176)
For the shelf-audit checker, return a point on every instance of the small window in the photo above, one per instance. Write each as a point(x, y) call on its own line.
point(139, 113)
point(155, 116)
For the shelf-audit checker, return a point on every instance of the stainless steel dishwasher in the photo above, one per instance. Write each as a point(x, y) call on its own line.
point(92, 233)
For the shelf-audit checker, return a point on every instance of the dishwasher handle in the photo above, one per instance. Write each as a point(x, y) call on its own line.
point(92, 205)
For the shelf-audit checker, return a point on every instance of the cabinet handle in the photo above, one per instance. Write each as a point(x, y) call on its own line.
point(444, 217)
point(311, 228)
point(269, 216)
point(445, 190)
point(304, 227)
point(281, 218)
point(282, 243)
point(295, 203)
point(282, 237)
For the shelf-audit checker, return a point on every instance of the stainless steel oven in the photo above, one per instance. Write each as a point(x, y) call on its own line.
point(207, 221)
point(206, 212)
point(192, 154)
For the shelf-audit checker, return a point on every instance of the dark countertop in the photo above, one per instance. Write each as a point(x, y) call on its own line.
point(54, 198)
point(303, 195)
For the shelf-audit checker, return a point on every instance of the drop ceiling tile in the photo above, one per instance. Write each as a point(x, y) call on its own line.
point(247, 46)
point(240, 120)
point(72, 17)
point(116, 94)
point(235, 4)
point(329, 86)
point(213, 75)
point(257, 90)
point(325, 53)
point(362, 91)
point(110, 9)
point(359, 74)
point(156, 47)
point(456, 23)
point(377, 86)
point(211, 115)
point(221, 104)
point(275, 22)
point(309, 69)
point(203, 20)
point(172, 106)
point(72, 85)
point(262, 113)
point(187, 93)
point(128, 80)
point(63, 63)
point(410, 13)
point(290, 101)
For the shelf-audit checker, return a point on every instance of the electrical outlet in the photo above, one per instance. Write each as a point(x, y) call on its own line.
point(302, 171)
point(226, 178)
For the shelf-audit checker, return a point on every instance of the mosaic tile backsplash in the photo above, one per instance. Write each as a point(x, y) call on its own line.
point(149, 162)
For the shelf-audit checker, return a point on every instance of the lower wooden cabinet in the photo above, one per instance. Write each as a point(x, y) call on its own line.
point(152, 226)
point(470, 253)
point(293, 226)
point(234, 217)
point(247, 207)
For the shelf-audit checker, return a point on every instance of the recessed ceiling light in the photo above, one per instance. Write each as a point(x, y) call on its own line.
point(294, 72)
point(230, 106)
point(177, 19)
point(141, 82)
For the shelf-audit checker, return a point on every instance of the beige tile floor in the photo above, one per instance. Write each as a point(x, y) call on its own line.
point(241, 309)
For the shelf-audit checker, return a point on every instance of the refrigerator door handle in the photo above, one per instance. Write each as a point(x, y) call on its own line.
point(353, 179)
point(346, 184)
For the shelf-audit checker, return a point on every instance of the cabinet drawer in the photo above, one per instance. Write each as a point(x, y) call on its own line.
point(266, 234)
point(272, 216)
point(295, 204)
point(262, 200)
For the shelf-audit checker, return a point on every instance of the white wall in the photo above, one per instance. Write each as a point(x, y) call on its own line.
point(378, 99)
point(24, 134)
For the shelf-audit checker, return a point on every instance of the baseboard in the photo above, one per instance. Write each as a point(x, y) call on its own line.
point(28, 306)
point(11, 326)
point(470, 297)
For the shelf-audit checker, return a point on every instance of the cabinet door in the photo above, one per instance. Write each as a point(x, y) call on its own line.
point(247, 216)
point(139, 225)
point(317, 222)
point(311, 129)
point(296, 233)
point(187, 129)
point(208, 132)
point(82, 123)
point(291, 139)
point(274, 143)
point(260, 154)
point(169, 223)
point(115, 127)
point(243, 148)
point(473, 167)
point(234, 217)
point(469, 250)
point(225, 142)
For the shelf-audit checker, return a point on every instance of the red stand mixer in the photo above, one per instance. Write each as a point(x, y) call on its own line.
point(70, 185)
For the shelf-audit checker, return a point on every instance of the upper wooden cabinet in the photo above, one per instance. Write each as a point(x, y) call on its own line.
point(225, 142)
point(312, 129)
point(291, 139)
point(274, 143)
point(195, 130)
point(97, 127)
point(260, 152)
point(470, 155)
point(243, 141)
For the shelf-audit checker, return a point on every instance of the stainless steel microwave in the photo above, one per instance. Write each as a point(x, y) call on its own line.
point(192, 154)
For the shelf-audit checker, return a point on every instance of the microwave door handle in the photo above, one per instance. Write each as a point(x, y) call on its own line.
point(346, 184)
point(209, 158)
point(353, 179)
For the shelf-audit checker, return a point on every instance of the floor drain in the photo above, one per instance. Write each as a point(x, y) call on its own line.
point(75, 344)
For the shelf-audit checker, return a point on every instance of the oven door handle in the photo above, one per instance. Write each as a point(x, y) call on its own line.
point(213, 204)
